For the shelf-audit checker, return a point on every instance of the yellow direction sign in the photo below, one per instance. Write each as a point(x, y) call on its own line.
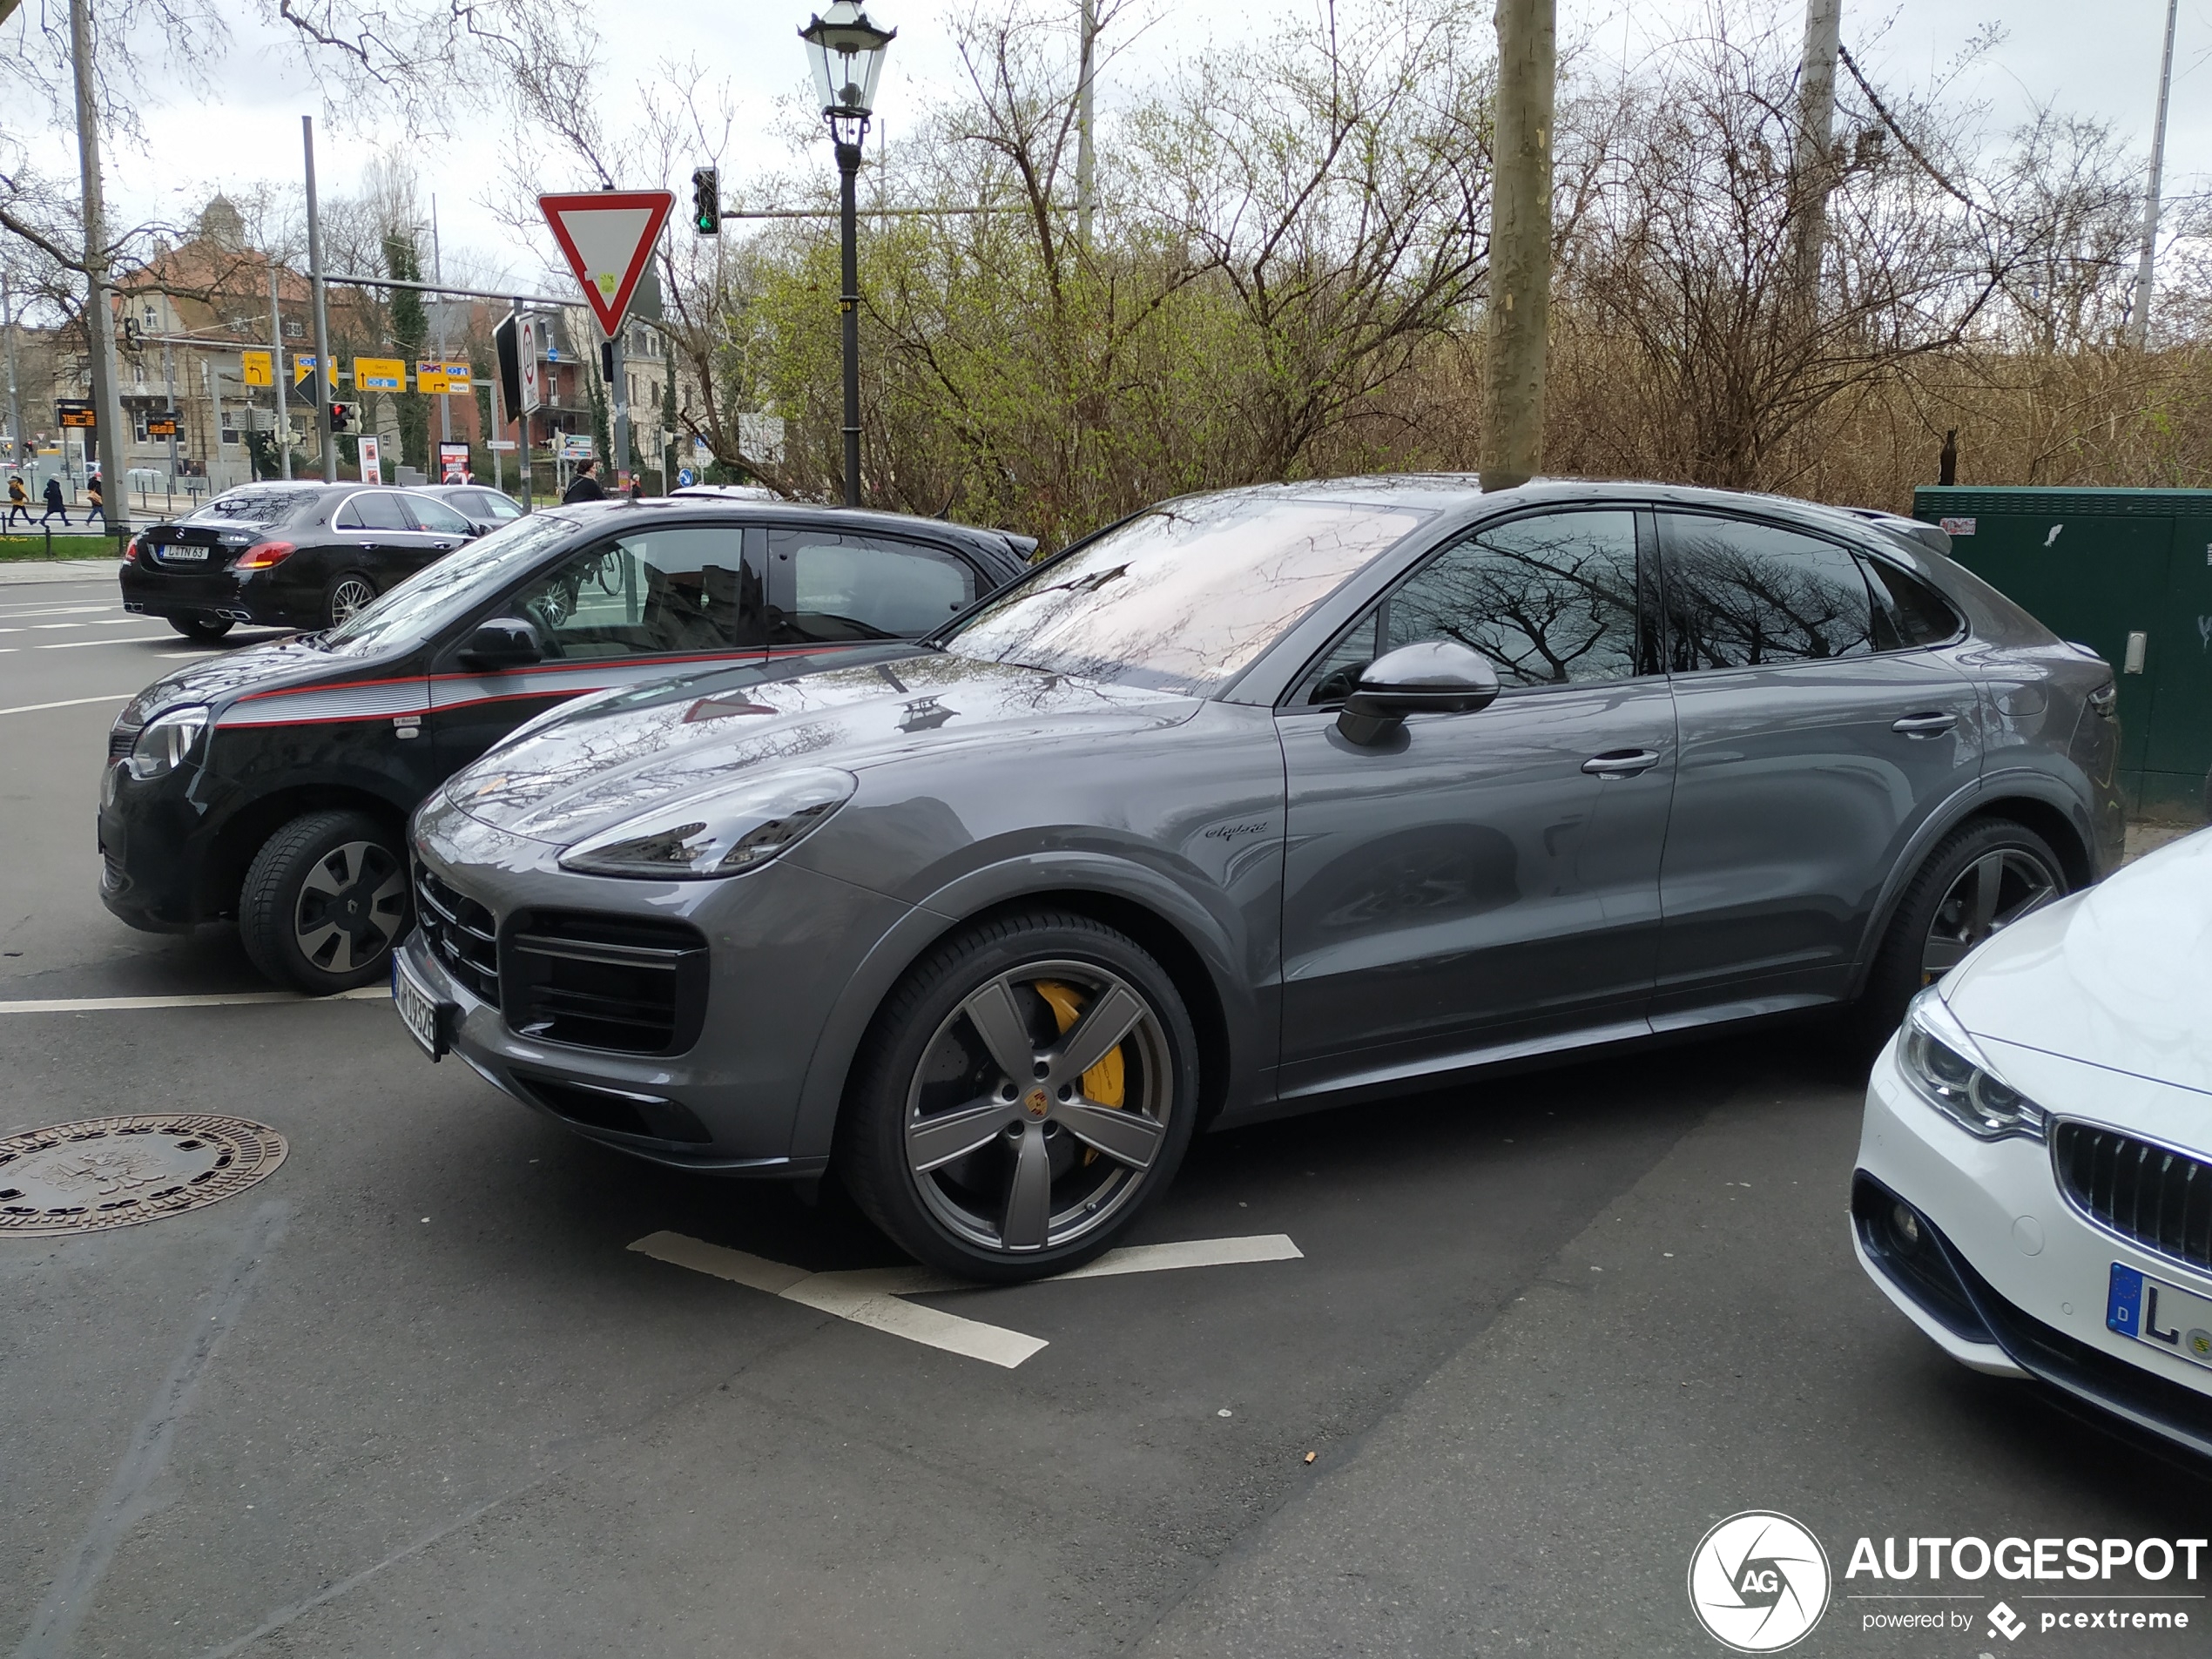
point(380, 374)
point(442, 377)
point(303, 364)
point(260, 368)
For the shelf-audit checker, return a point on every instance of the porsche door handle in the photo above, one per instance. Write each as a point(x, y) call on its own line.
point(1621, 763)
point(1925, 725)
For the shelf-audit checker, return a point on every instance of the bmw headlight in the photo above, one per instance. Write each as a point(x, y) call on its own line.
point(1948, 1070)
point(166, 741)
point(720, 833)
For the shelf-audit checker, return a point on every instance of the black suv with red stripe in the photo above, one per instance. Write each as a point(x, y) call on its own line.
point(272, 783)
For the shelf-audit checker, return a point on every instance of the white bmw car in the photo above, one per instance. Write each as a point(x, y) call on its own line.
point(2034, 1183)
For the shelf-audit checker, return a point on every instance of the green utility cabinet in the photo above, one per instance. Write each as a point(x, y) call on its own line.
point(2127, 572)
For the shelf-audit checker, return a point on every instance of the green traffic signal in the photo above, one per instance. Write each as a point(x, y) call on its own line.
point(707, 201)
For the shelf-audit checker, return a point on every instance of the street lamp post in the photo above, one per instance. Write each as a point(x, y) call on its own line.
point(846, 51)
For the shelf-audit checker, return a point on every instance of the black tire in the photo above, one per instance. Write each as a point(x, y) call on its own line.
point(1933, 924)
point(1092, 1194)
point(345, 593)
point(294, 912)
point(206, 630)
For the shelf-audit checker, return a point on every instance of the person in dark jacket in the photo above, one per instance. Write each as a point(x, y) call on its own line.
point(54, 502)
point(18, 501)
point(585, 487)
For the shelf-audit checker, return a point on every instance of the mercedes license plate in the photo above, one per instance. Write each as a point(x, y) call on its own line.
point(183, 555)
point(2165, 1316)
point(423, 1016)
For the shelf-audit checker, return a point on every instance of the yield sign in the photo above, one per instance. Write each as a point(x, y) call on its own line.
point(608, 236)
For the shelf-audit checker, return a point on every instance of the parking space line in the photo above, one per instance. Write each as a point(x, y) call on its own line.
point(874, 1296)
point(114, 639)
point(219, 1000)
point(70, 703)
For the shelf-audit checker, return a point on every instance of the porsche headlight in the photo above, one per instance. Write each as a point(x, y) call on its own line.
point(1947, 1069)
point(167, 740)
point(720, 833)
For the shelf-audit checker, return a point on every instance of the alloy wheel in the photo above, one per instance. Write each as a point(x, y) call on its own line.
point(352, 594)
point(350, 906)
point(1040, 1106)
point(1990, 894)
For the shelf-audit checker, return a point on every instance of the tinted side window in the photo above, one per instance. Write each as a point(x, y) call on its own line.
point(1549, 600)
point(1916, 613)
point(372, 512)
point(437, 515)
point(1741, 594)
point(657, 592)
point(853, 587)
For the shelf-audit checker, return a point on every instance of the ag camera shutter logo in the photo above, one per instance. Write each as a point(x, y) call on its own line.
point(1758, 1583)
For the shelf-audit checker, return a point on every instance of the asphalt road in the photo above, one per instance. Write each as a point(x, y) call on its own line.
point(414, 1393)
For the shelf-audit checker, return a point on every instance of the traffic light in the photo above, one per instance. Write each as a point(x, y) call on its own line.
point(129, 333)
point(341, 416)
point(706, 202)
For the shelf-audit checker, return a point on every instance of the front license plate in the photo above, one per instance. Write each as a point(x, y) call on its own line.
point(2163, 1315)
point(184, 556)
point(425, 1017)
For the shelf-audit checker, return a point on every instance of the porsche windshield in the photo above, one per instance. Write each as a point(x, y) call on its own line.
point(1183, 597)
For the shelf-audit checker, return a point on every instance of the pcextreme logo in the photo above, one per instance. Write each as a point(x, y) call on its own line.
point(1758, 1582)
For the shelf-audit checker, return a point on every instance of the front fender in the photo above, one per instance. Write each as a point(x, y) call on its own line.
point(1212, 932)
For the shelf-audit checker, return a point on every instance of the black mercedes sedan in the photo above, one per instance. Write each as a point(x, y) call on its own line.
point(272, 783)
point(286, 555)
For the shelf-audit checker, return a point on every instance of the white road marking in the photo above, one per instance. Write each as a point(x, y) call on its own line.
point(225, 999)
point(873, 1295)
point(117, 639)
point(69, 703)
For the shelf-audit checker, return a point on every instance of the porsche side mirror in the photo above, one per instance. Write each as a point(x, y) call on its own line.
point(1430, 677)
point(504, 642)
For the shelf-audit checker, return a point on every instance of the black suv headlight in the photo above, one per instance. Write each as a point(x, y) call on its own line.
point(721, 832)
point(166, 742)
point(1948, 1070)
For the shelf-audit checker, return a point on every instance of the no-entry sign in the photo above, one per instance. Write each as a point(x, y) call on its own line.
point(607, 237)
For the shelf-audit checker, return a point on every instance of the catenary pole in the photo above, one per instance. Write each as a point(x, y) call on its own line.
point(20, 450)
point(1520, 242)
point(1815, 137)
point(2139, 313)
point(100, 322)
point(1086, 178)
point(326, 371)
point(276, 377)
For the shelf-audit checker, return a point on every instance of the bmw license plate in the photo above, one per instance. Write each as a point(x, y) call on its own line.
point(426, 1018)
point(2165, 1316)
point(183, 555)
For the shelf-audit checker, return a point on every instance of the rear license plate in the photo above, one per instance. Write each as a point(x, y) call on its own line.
point(183, 554)
point(2163, 1315)
point(426, 1018)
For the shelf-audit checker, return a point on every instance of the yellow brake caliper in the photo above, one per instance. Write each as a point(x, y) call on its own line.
point(1103, 1084)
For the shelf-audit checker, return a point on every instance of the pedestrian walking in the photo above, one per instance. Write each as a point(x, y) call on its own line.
point(55, 503)
point(585, 487)
point(98, 509)
point(18, 501)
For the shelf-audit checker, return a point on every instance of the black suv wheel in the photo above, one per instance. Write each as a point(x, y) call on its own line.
point(325, 901)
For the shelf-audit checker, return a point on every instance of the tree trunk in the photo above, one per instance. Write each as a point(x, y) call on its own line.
point(1520, 242)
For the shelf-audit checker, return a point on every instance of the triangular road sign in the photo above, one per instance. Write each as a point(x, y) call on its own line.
point(608, 236)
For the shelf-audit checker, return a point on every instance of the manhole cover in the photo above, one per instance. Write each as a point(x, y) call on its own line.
point(114, 1171)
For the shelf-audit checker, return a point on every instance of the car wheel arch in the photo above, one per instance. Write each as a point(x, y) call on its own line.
point(251, 824)
point(2025, 799)
point(1189, 944)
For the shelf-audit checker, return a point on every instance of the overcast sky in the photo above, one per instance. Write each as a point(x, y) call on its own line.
point(2101, 61)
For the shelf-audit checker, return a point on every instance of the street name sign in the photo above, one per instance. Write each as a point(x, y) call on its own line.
point(607, 236)
point(380, 374)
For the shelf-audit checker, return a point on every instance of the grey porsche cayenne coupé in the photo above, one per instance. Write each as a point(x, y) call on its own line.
point(1285, 797)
